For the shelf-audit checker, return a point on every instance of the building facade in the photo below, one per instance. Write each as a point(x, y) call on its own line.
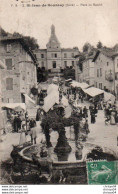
point(54, 58)
point(78, 74)
point(115, 57)
point(104, 71)
point(88, 71)
point(2, 66)
point(20, 73)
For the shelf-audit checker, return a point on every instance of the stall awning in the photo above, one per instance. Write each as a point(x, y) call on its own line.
point(93, 91)
point(50, 100)
point(108, 96)
point(79, 85)
point(28, 99)
point(53, 98)
point(84, 85)
point(75, 84)
point(14, 105)
point(68, 80)
point(51, 88)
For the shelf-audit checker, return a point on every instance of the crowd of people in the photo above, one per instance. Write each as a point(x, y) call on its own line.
point(110, 109)
point(24, 125)
point(30, 129)
point(21, 122)
point(111, 114)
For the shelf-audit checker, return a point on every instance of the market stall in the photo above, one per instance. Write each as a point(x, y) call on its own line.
point(108, 96)
point(52, 98)
point(51, 88)
point(93, 93)
point(11, 110)
point(14, 105)
point(79, 85)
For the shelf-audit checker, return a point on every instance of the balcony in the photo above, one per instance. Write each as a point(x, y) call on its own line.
point(109, 77)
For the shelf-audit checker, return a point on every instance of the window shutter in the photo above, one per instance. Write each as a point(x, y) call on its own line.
point(9, 83)
point(9, 64)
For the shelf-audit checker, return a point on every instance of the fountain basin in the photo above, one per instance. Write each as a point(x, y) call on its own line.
point(27, 152)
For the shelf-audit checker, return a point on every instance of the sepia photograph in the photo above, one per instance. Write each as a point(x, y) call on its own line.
point(59, 92)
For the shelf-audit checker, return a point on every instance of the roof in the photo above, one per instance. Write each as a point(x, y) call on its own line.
point(40, 50)
point(77, 56)
point(89, 57)
point(69, 49)
point(105, 51)
point(22, 42)
point(115, 55)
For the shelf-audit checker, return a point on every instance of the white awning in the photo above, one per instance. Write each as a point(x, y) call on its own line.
point(51, 88)
point(84, 85)
point(79, 85)
point(68, 80)
point(27, 98)
point(108, 96)
point(93, 91)
point(14, 105)
point(50, 100)
point(53, 98)
point(75, 84)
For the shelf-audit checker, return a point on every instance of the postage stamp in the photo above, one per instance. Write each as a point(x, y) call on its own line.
point(102, 172)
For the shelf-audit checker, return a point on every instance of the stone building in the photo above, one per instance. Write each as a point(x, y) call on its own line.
point(88, 71)
point(104, 70)
point(78, 73)
point(2, 66)
point(54, 58)
point(115, 58)
point(20, 73)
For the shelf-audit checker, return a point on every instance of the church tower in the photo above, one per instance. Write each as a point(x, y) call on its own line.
point(55, 59)
point(53, 43)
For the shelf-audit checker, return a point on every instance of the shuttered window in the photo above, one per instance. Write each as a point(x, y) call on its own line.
point(9, 84)
point(9, 64)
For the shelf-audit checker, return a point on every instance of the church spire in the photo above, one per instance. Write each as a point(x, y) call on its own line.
point(52, 29)
point(53, 41)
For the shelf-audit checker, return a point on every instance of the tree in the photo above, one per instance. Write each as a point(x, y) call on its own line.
point(99, 45)
point(80, 62)
point(75, 47)
point(42, 75)
point(69, 72)
point(86, 47)
point(30, 41)
point(3, 32)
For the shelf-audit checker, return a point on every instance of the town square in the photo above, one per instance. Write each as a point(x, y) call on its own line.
point(59, 95)
point(54, 117)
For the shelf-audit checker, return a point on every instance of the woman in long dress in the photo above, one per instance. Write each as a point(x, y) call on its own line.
point(23, 135)
point(112, 120)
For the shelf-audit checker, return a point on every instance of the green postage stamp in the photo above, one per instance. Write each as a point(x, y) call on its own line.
point(102, 172)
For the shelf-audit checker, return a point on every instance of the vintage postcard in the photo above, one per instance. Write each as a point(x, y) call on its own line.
point(59, 92)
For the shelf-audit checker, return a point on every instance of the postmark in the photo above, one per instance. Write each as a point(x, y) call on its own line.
point(102, 172)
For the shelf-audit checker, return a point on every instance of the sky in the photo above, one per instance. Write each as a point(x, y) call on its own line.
point(74, 25)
